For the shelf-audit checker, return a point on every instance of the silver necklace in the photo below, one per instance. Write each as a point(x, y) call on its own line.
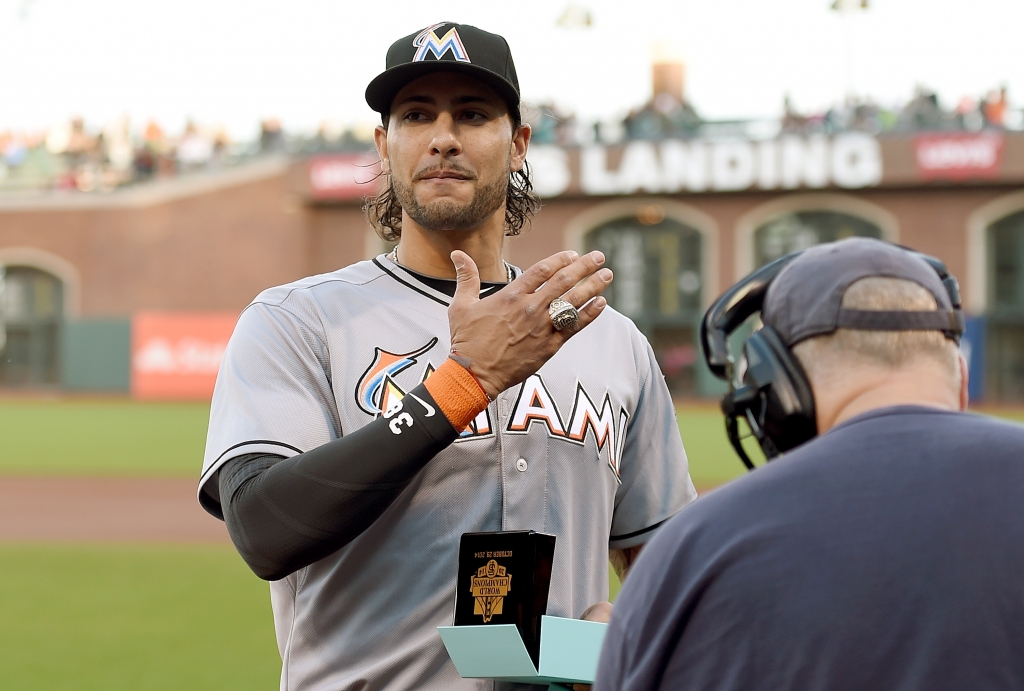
point(510, 273)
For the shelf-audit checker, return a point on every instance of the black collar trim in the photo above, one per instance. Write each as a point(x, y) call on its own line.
point(439, 290)
point(407, 284)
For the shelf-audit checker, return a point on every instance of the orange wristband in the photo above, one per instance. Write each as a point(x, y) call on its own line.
point(457, 392)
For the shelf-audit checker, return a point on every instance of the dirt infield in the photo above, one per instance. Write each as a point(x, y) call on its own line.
point(61, 509)
point(57, 509)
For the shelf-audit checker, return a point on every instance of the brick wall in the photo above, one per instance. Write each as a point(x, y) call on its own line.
point(214, 249)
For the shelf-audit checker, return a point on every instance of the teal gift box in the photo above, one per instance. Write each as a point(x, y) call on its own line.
point(569, 651)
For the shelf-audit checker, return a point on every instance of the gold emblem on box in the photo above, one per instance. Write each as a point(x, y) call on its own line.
point(489, 587)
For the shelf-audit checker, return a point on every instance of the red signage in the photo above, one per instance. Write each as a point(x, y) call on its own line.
point(176, 355)
point(958, 156)
point(343, 176)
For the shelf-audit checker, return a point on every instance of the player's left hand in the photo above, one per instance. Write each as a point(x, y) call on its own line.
point(602, 612)
point(508, 336)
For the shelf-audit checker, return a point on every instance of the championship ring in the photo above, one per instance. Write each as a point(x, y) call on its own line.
point(563, 315)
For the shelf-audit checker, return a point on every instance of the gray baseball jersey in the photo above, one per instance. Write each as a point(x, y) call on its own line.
point(587, 449)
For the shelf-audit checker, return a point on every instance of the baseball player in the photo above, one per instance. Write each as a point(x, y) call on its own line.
point(363, 420)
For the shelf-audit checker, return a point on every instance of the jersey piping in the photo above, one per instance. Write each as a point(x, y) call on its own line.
point(613, 538)
point(215, 465)
point(407, 284)
point(410, 279)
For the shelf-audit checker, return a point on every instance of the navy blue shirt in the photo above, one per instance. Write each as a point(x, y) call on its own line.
point(887, 553)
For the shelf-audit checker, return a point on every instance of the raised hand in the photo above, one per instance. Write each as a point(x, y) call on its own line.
point(508, 336)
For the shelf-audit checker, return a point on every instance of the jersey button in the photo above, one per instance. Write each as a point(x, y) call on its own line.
point(521, 465)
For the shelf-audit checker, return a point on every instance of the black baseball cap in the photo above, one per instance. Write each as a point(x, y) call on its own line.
point(805, 299)
point(450, 47)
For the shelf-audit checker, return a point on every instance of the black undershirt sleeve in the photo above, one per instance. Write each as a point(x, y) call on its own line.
point(286, 513)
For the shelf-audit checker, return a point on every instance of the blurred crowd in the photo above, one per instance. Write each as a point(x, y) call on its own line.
point(923, 112)
point(666, 116)
point(75, 156)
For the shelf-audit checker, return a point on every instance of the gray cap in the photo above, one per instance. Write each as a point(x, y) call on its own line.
point(805, 299)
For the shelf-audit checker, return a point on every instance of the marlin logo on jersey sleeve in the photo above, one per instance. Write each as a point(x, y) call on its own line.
point(427, 42)
point(378, 393)
point(390, 396)
point(377, 382)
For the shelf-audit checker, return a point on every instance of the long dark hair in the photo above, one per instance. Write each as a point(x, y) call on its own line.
point(385, 213)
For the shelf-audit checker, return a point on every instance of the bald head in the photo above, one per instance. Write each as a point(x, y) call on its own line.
point(852, 371)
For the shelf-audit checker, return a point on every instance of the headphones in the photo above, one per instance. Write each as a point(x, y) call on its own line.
point(772, 393)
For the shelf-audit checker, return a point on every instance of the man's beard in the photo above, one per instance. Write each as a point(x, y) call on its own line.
point(445, 214)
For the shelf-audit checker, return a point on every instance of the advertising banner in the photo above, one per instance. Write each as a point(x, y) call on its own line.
point(176, 355)
point(343, 176)
point(958, 156)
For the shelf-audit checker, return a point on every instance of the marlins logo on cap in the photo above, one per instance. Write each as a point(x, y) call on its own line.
point(446, 46)
point(427, 41)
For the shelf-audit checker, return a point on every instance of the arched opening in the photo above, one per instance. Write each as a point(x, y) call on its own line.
point(31, 316)
point(799, 230)
point(796, 221)
point(659, 283)
point(1005, 244)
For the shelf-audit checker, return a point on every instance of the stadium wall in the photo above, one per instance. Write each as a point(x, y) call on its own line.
point(209, 243)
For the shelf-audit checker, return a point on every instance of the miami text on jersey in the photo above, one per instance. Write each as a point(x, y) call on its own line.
point(377, 394)
point(535, 405)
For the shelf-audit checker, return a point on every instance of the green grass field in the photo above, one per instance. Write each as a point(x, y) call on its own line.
point(136, 618)
point(82, 437)
point(166, 439)
point(84, 618)
point(101, 437)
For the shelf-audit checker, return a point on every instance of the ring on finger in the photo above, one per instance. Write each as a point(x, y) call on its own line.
point(563, 315)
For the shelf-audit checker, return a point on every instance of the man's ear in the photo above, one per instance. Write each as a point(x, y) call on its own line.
point(380, 140)
point(520, 143)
